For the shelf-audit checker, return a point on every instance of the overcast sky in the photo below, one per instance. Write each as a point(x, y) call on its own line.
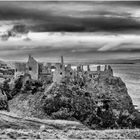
point(101, 30)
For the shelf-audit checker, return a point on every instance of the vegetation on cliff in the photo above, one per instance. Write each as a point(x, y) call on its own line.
point(107, 105)
point(103, 103)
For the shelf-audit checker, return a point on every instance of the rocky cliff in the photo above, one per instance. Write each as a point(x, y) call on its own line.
point(97, 103)
point(101, 101)
point(114, 89)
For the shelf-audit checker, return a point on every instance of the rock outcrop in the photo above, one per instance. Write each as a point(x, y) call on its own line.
point(114, 89)
point(28, 105)
point(97, 103)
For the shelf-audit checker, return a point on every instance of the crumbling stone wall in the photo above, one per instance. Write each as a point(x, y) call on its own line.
point(69, 72)
point(20, 69)
point(39, 71)
point(26, 77)
point(59, 73)
point(46, 78)
point(32, 68)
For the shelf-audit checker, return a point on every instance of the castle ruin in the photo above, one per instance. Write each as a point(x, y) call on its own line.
point(55, 72)
point(63, 71)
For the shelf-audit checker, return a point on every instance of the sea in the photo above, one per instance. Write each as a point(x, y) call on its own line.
point(130, 74)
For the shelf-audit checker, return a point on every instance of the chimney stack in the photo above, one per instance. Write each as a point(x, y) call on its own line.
point(29, 56)
point(98, 68)
point(88, 68)
point(62, 61)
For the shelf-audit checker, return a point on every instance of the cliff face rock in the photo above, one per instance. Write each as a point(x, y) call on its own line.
point(97, 103)
point(114, 89)
point(27, 105)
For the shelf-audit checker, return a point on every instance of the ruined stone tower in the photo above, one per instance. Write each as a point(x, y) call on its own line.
point(62, 60)
point(32, 67)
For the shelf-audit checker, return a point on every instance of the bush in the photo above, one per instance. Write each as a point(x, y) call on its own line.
point(68, 102)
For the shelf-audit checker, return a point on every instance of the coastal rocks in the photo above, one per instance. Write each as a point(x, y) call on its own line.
point(115, 90)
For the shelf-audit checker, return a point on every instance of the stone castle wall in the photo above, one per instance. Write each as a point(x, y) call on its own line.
point(20, 69)
point(86, 71)
point(32, 68)
point(39, 71)
point(59, 73)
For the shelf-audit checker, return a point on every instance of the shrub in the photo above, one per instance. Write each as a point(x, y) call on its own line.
point(62, 102)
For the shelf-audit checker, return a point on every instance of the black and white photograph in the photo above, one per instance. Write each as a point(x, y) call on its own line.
point(69, 69)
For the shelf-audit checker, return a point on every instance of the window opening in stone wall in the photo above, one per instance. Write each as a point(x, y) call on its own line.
point(30, 68)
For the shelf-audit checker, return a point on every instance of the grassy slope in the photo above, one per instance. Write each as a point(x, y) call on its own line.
point(12, 126)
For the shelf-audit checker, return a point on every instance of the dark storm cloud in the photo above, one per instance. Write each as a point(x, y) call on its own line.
point(57, 18)
point(125, 3)
point(16, 31)
point(96, 27)
point(90, 25)
point(40, 21)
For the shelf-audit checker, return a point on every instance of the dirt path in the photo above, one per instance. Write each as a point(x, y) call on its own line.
point(36, 123)
point(49, 88)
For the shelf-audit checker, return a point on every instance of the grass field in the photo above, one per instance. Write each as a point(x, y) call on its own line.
point(14, 127)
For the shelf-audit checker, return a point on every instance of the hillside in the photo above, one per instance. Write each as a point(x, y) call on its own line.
point(14, 127)
point(102, 101)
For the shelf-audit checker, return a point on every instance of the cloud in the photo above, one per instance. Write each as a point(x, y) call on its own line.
point(122, 43)
point(27, 39)
point(73, 16)
point(73, 42)
point(18, 31)
point(70, 28)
